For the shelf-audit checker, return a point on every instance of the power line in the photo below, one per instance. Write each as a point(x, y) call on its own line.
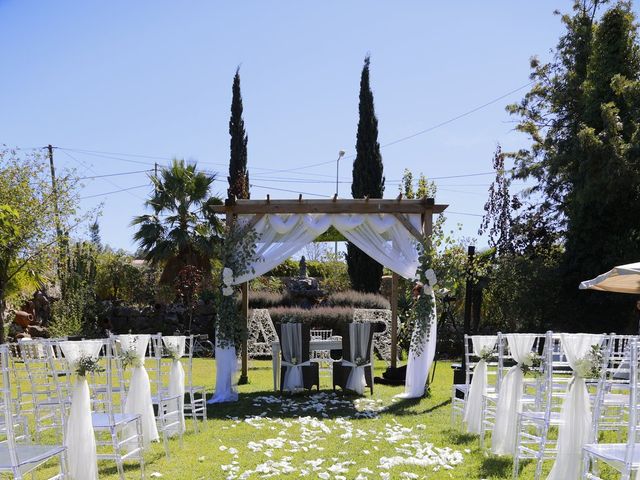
point(105, 179)
point(290, 191)
point(458, 117)
point(115, 174)
point(114, 191)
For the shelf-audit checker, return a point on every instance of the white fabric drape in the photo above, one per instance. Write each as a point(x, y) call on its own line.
point(478, 387)
point(79, 438)
point(139, 395)
point(575, 416)
point(226, 366)
point(381, 236)
point(176, 374)
point(359, 355)
point(384, 238)
point(279, 237)
point(503, 438)
point(418, 364)
point(292, 356)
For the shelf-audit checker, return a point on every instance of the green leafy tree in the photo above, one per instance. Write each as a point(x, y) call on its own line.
point(582, 117)
point(28, 234)
point(182, 229)
point(238, 174)
point(368, 181)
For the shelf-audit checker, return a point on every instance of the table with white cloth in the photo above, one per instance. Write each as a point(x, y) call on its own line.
point(333, 343)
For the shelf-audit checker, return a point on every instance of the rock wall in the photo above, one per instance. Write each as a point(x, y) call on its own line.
point(167, 319)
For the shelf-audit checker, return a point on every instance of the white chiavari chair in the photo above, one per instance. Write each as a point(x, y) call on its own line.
point(16, 458)
point(533, 440)
point(530, 393)
point(460, 392)
point(49, 394)
point(169, 415)
point(623, 457)
point(195, 406)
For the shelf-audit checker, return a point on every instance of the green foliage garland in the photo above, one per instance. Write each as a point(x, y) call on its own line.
point(423, 312)
point(238, 252)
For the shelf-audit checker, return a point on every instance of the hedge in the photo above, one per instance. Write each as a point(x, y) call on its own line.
point(320, 317)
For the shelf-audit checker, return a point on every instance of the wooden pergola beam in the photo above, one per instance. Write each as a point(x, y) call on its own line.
point(335, 206)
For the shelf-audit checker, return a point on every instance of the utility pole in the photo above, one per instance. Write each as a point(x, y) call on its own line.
point(155, 174)
point(56, 211)
point(340, 155)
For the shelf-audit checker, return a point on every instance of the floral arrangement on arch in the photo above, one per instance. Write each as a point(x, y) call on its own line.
point(423, 311)
point(237, 253)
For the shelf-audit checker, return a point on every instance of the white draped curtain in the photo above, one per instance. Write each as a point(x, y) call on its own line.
point(383, 237)
point(420, 357)
point(575, 417)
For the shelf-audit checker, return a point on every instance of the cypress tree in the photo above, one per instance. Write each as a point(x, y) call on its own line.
point(238, 174)
point(368, 181)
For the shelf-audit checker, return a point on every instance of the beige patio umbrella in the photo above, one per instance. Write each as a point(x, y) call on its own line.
point(623, 279)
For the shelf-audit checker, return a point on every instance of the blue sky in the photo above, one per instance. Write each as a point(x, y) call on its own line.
point(153, 78)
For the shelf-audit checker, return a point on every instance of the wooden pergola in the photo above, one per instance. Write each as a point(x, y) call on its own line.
point(397, 207)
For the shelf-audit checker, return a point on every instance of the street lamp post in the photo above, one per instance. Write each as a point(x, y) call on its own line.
point(340, 155)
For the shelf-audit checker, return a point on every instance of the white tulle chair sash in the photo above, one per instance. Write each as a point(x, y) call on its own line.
point(575, 416)
point(82, 460)
point(176, 374)
point(503, 439)
point(139, 395)
point(478, 387)
point(292, 356)
point(359, 352)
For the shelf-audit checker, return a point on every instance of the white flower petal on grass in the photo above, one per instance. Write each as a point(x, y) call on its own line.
point(201, 459)
point(155, 475)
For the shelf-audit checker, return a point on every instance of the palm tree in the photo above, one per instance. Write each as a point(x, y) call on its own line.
point(182, 230)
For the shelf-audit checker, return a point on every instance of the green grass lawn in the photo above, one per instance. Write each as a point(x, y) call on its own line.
point(292, 436)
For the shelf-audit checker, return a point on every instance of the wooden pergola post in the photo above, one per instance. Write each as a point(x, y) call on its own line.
point(244, 374)
point(394, 319)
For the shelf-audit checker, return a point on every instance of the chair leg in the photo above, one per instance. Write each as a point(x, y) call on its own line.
point(194, 412)
point(516, 453)
point(116, 449)
point(140, 445)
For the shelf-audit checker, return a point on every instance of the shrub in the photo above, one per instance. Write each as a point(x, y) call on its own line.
point(265, 299)
point(321, 317)
point(354, 299)
point(288, 268)
point(266, 284)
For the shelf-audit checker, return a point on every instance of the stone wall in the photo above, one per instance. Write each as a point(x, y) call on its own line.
point(167, 319)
